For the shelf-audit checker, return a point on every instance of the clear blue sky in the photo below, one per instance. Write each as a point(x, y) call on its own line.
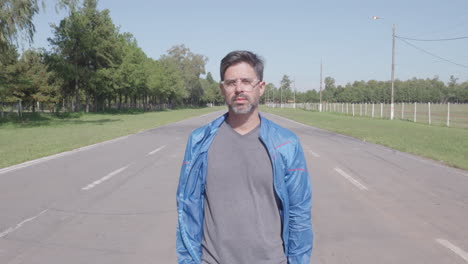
point(293, 36)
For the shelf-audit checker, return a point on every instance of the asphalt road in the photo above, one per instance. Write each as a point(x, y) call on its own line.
point(115, 202)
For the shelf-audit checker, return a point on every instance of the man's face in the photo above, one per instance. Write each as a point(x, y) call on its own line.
point(241, 97)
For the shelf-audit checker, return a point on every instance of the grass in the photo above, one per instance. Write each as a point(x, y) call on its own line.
point(447, 145)
point(38, 135)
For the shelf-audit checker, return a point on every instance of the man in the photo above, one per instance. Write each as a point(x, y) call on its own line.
point(244, 192)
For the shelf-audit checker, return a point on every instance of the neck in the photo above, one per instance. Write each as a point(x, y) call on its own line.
point(243, 123)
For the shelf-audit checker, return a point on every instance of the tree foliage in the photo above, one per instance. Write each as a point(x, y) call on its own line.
point(16, 18)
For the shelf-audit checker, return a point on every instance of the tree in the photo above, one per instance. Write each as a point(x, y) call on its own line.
point(191, 66)
point(330, 90)
point(85, 49)
point(16, 17)
point(285, 88)
point(34, 87)
point(270, 94)
point(211, 91)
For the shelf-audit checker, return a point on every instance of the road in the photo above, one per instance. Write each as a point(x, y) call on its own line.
point(115, 202)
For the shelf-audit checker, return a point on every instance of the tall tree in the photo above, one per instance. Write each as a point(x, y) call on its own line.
point(16, 18)
point(285, 88)
point(33, 80)
point(86, 46)
point(191, 66)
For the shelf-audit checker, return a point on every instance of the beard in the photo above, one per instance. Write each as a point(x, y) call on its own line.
point(249, 105)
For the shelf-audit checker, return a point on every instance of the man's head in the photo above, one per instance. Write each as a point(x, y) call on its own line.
point(242, 81)
point(238, 56)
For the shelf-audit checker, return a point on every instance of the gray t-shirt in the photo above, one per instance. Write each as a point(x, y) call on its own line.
point(242, 222)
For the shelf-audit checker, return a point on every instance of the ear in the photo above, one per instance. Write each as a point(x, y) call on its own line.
point(261, 87)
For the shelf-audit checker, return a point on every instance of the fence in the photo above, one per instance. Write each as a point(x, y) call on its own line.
point(449, 114)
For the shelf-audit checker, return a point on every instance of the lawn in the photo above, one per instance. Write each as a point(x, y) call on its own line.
point(39, 135)
point(447, 145)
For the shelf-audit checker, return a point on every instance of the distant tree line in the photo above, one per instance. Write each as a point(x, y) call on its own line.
point(413, 90)
point(93, 67)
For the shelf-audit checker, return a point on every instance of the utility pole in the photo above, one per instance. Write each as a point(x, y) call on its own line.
point(294, 93)
point(392, 105)
point(281, 101)
point(321, 81)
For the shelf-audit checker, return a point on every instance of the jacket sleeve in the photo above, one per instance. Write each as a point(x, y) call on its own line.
point(183, 255)
point(300, 240)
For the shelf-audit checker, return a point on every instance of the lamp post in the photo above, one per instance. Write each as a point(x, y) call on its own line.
point(281, 100)
point(392, 103)
point(294, 93)
point(321, 81)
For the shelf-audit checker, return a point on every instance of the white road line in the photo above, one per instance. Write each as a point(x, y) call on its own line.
point(12, 229)
point(156, 150)
point(58, 155)
point(314, 154)
point(62, 154)
point(454, 248)
point(351, 179)
point(105, 178)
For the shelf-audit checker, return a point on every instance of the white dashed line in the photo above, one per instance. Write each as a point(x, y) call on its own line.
point(105, 178)
point(314, 154)
point(156, 150)
point(351, 179)
point(454, 248)
point(12, 229)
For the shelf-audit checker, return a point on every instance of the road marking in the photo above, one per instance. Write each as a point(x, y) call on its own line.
point(156, 150)
point(105, 178)
point(454, 248)
point(351, 179)
point(12, 229)
point(58, 155)
point(411, 156)
point(314, 154)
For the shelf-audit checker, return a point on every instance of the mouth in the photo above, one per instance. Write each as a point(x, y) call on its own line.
point(240, 99)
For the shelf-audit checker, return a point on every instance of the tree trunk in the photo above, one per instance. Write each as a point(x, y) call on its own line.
point(77, 96)
point(20, 109)
point(87, 101)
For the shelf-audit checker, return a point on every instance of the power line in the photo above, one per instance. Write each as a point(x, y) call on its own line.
point(446, 39)
point(432, 54)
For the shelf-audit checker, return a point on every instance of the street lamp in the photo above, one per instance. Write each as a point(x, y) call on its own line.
point(392, 104)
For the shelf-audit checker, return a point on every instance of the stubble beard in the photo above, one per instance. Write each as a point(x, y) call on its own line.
point(243, 109)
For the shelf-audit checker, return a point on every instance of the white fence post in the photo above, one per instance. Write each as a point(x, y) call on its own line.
point(365, 111)
point(347, 108)
point(360, 109)
point(403, 110)
point(353, 108)
point(381, 110)
point(448, 114)
point(415, 112)
point(372, 110)
point(429, 111)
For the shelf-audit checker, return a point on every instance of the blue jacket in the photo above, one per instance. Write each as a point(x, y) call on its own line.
point(291, 184)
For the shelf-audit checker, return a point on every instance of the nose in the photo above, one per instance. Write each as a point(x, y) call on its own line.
point(239, 87)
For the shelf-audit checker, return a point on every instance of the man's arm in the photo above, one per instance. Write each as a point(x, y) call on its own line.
point(183, 255)
point(300, 197)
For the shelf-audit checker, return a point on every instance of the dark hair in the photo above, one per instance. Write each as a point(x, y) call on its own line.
point(238, 56)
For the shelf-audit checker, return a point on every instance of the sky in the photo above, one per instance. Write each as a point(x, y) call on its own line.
point(294, 37)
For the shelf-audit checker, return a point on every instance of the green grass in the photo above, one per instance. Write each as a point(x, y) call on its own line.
point(447, 145)
point(39, 135)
